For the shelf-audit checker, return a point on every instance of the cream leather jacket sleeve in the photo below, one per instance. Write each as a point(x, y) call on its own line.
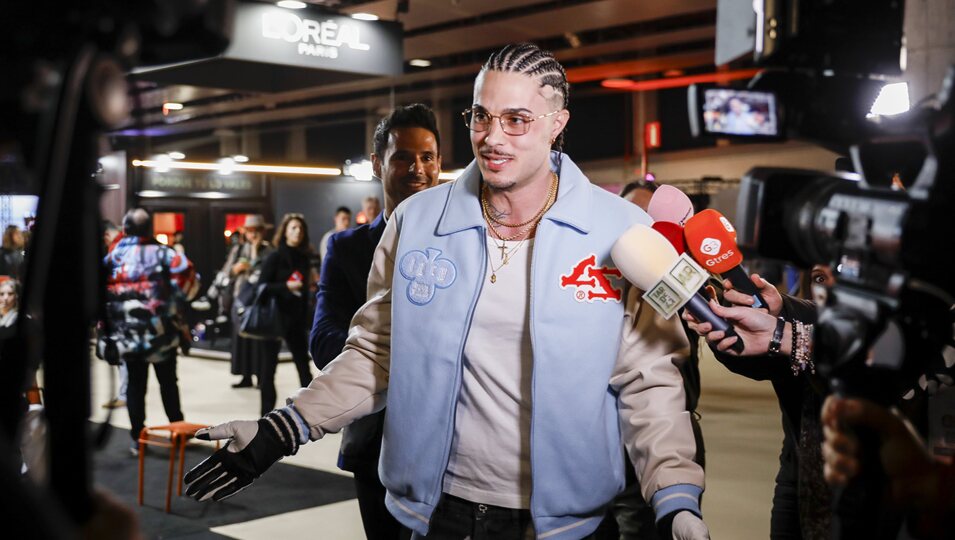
point(355, 383)
point(654, 421)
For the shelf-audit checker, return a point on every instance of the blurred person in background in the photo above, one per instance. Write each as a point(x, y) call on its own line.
point(244, 265)
point(111, 236)
point(11, 253)
point(285, 272)
point(639, 192)
point(147, 284)
point(342, 221)
point(370, 208)
point(9, 304)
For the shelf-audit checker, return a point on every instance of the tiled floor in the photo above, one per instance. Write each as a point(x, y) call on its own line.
point(740, 424)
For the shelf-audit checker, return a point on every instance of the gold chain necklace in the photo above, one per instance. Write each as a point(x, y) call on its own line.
point(487, 211)
point(506, 254)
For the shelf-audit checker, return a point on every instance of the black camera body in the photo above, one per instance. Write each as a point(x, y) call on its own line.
point(889, 248)
point(885, 229)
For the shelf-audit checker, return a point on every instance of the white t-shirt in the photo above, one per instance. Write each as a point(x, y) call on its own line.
point(490, 453)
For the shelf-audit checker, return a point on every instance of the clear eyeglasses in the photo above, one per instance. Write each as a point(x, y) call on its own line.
point(513, 123)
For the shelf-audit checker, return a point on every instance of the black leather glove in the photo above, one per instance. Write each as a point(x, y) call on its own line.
point(254, 445)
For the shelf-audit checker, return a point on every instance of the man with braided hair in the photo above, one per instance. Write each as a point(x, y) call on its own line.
point(513, 359)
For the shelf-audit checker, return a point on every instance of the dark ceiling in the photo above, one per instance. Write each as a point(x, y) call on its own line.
point(594, 39)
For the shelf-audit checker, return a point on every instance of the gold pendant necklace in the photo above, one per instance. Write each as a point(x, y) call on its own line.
point(526, 227)
point(505, 257)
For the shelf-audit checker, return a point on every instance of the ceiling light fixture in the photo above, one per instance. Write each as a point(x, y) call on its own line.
point(359, 170)
point(616, 83)
point(226, 165)
point(893, 99)
point(291, 4)
point(243, 167)
point(239, 158)
point(170, 106)
point(419, 62)
point(364, 16)
point(176, 155)
point(677, 82)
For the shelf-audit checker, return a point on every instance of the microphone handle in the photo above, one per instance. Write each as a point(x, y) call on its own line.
point(700, 309)
point(742, 283)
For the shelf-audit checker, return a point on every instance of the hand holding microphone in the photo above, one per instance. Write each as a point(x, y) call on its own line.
point(753, 327)
point(774, 300)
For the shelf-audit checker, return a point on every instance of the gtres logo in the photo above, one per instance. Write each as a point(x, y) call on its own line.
point(592, 282)
point(710, 246)
point(716, 260)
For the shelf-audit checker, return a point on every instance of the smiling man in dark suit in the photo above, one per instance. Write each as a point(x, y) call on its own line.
point(407, 159)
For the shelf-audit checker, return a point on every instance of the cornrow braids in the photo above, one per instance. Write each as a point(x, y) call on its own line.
point(529, 59)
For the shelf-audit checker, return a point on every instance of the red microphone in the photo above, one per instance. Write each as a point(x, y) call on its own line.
point(673, 233)
point(711, 240)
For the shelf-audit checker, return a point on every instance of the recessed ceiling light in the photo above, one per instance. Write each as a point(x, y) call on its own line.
point(172, 106)
point(177, 155)
point(239, 158)
point(616, 83)
point(420, 62)
point(364, 16)
point(291, 4)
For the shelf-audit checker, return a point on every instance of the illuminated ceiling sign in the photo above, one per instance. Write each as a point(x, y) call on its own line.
point(274, 50)
point(313, 37)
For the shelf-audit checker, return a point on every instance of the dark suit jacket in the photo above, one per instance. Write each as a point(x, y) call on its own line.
point(342, 289)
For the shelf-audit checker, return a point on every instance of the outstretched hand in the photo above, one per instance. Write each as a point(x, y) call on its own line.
point(252, 447)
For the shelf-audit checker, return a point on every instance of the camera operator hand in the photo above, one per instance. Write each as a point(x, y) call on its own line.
point(902, 453)
point(916, 481)
point(754, 326)
point(774, 300)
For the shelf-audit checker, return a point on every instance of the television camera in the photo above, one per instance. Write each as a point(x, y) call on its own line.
point(883, 225)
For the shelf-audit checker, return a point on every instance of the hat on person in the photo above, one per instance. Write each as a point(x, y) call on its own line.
point(255, 221)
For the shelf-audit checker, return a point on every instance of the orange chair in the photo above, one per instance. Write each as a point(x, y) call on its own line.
point(177, 435)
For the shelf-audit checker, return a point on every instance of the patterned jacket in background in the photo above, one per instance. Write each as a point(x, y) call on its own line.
point(147, 286)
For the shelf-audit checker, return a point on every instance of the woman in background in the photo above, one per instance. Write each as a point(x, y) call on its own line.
point(9, 302)
point(244, 265)
point(286, 273)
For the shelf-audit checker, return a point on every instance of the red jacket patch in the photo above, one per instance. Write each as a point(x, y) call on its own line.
point(592, 282)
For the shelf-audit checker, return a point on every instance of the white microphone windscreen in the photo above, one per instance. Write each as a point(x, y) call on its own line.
point(643, 255)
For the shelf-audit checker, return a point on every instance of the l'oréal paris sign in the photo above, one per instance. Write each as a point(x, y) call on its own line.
point(310, 38)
